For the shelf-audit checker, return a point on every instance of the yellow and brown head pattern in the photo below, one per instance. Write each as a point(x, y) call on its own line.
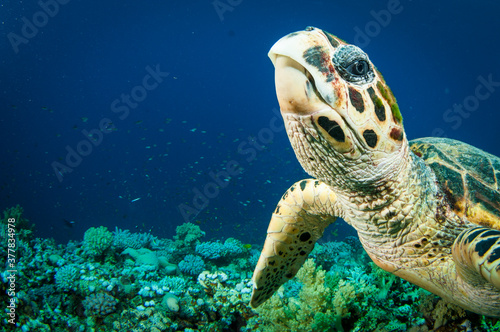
point(333, 90)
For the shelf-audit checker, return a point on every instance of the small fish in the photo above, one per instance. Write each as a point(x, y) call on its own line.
point(135, 199)
point(69, 223)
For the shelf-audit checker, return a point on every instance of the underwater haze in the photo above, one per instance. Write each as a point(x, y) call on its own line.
point(147, 115)
point(214, 97)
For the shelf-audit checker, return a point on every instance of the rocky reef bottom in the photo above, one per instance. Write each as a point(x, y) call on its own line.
point(124, 281)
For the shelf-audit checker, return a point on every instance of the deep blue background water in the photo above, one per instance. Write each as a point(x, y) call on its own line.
point(219, 93)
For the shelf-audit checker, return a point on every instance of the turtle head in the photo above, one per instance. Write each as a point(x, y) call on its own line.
point(336, 105)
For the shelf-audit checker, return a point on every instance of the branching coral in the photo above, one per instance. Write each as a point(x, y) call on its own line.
point(123, 239)
point(192, 264)
point(215, 250)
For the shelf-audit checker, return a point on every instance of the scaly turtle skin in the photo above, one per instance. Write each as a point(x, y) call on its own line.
point(428, 211)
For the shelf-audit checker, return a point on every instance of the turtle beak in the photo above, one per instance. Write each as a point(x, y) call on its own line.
point(295, 88)
point(301, 86)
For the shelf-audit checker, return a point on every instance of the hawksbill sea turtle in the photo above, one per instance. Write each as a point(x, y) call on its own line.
point(427, 210)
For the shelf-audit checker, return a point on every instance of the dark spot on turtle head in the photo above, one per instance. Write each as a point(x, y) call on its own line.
point(289, 275)
point(386, 93)
point(356, 100)
point(317, 56)
point(305, 236)
point(303, 253)
point(418, 245)
point(332, 128)
point(397, 134)
point(370, 137)
point(377, 104)
point(303, 185)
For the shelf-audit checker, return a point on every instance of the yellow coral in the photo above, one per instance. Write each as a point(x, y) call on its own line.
point(281, 314)
point(444, 311)
point(344, 294)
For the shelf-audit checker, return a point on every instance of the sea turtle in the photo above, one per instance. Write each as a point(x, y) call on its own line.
point(427, 211)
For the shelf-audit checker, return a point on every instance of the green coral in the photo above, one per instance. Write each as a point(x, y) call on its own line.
point(66, 277)
point(188, 235)
point(97, 240)
point(22, 225)
point(490, 324)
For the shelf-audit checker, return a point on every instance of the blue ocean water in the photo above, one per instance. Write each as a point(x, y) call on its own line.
point(143, 116)
point(208, 104)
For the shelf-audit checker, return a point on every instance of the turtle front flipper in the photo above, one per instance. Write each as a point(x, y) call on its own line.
point(299, 220)
point(477, 254)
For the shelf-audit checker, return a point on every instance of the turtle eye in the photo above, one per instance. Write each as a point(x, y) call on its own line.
point(353, 65)
point(358, 68)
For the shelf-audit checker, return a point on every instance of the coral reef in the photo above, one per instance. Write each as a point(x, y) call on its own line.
point(188, 235)
point(23, 226)
point(105, 284)
point(97, 240)
point(66, 277)
point(192, 264)
point(123, 239)
point(215, 250)
point(99, 305)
